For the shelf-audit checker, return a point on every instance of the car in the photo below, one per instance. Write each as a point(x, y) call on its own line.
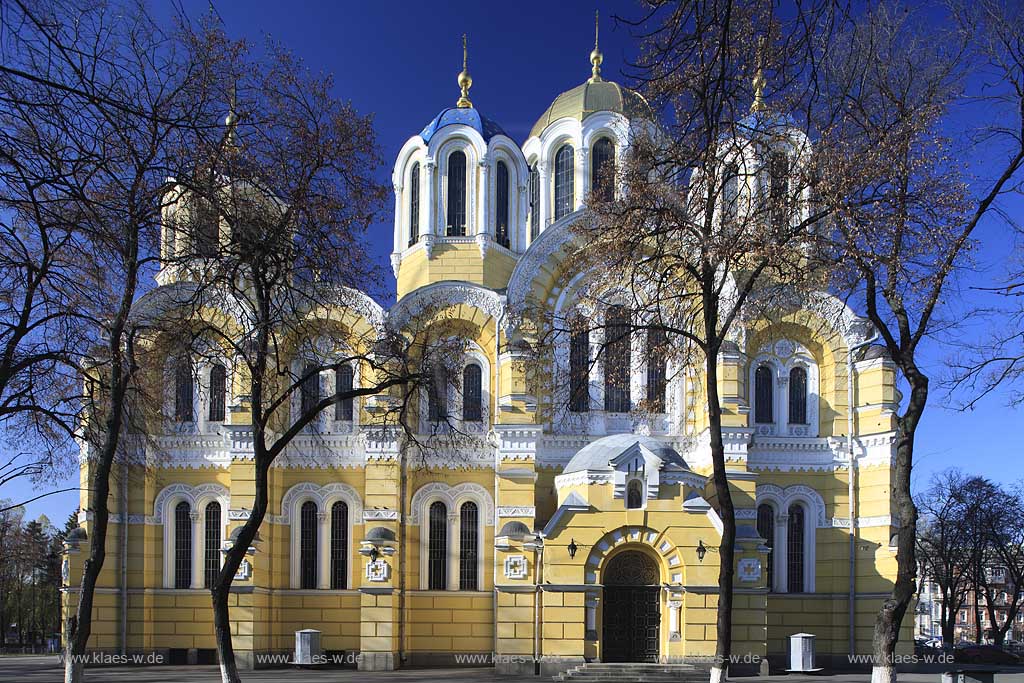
point(984, 654)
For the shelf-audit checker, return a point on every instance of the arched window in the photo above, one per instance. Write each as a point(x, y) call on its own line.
point(205, 228)
point(731, 192)
point(456, 194)
point(437, 547)
point(564, 181)
point(183, 391)
point(602, 170)
point(437, 396)
point(472, 393)
point(634, 494)
point(579, 371)
point(308, 524)
point(656, 376)
point(182, 545)
point(798, 396)
point(211, 558)
point(218, 392)
point(795, 549)
point(763, 395)
point(343, 409)
point(468, 524)
point(310, 388)
point(414, 204)
point(534, 203)
point(778, 172)
point(339, 545)
point(501, 205)
point(766, 530)
point(617, 359)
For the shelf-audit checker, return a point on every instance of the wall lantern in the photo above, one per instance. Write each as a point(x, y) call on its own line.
point(374, 554)
point(701, 550)
point(572, 548)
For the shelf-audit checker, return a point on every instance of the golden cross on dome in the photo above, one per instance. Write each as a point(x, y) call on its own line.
point(465, 80)
point(596, 57)
point(758, 103)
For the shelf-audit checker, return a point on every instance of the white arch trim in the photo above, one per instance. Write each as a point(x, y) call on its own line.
point(324, 497)
point(443, 295)
point(197, 497)
point(453, 497)
point(781, 499)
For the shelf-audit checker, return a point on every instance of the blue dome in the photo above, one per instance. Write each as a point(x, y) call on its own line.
point(766, 121)
point(466, 116)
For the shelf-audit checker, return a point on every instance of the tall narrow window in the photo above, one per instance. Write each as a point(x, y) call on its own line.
point(795, 549)
point(457, 194)
point(218, 392)
point(534, 203)
point(183, 391)
point(565, 188)
point(656, 374)
point(602, 170)
point(339, 545)
point(766, 530)
point(798, 396)
point(211, 559)
point(206, 228)
point(778, 171)
point(468, 527)
point(182, 545)
point(310, 388)
point(343, 409)
point(308, 524)
point(414, 204)
point(579, 371)
point(634, 494)
point(472, 393)
point(501, 205)
point(617, 359)
point(731, 192)
point(437, 396)
point(437, 547)
point(763, 395)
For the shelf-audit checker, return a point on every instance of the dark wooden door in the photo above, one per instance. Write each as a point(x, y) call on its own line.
point(631, 622)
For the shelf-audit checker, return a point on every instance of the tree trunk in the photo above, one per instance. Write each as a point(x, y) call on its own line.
point(890, 616)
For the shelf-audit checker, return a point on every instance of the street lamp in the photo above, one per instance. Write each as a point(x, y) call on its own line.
point(701, 550)
point(572, 548)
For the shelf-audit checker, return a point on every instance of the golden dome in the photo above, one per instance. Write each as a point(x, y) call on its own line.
point(465, 80)
point(590, 98)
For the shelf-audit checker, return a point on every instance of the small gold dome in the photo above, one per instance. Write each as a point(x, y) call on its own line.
point(465, 80)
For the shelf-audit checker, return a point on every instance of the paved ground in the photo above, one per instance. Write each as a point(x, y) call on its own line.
point(38, 669)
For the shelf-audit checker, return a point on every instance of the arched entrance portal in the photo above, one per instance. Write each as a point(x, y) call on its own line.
point(631, 617)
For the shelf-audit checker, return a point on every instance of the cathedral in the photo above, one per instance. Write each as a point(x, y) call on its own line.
point(553, 542)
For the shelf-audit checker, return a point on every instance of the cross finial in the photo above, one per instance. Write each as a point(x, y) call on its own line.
point(231, 120)
point(758, 103)
point(465, 81)
point(596, 57)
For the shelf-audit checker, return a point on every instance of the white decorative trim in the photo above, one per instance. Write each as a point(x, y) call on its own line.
point(517, 511)
point(749, 569)
point(319, 494)
point(443, 295)
point(746, 513)
point(379, 515)
point(516, 567)
point(780, 499)
point(862, 522)
point(378, 571)
point(324, 497)
point(452, 497)
point(197, 497)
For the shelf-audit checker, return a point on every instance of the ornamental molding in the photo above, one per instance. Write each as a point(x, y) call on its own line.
point(746, 513)
point(451, 496)
point(373, 515)
point(321, 495)
point(194, 495)
point(553, 239)
point(782, 498)
point(863, 522)
point(516, 511)
point(516, 567)
point(441, 295)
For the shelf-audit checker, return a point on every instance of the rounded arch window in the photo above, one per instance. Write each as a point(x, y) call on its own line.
point(565, 189)
point(308, 542)
point(798, 395)
point(795, 548)
point(634, 494)
point(602, 170)
point(437, 547)
point(763, 412)
point(766, 530)
point(456, 223)
point(183, 545)
point(414, 204)
point(501, 205)
point(472, 393)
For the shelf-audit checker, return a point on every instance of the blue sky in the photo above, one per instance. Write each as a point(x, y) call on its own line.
point(399, 60)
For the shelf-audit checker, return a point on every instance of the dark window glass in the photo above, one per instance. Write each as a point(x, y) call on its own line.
point(617, 360)
point(343, 409)
point(310, 388)
point(437, 397)
point(634, 494)
point(183, 391)
point(763, 395)
point(414, 204)
point(534, 203)
point(602, 172)
point(472, 393)
point(795, 550)
point(656, 374)
point(437, 547)
point(339, 545)
point(564, 181)
point(182, 545)
point(218, 392)
point(206, 229)
point(308, 532)
point(468, 547)
point(731, 192)
point(778, 189)
point(457, 194)
point(211, 560)
point(766, 530)
point(501, 209)
point(798, 396)
point(579, 371)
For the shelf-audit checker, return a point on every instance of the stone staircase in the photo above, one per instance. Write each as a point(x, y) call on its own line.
point(594, 672)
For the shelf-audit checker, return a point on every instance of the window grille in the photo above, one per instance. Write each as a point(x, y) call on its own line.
point(579, 371)
point(795, 550)
point(339, 545)
point(472, 393)
point(501, 210)
point(602, 180)
point(437, 547)
point(344, 408)
point(766, 530)
point(798, 396)
point(307, 545)
point(468, 547)
point(437, 397)
point(218, 392)
point(564, 181)
point(534, 203)
point(414, 204)
point(656, 374)
point(310, 388)
point(183, 391)
point(211, 559)
point(617, 360)
point(182, 545)
point(763, 395)
point(457, 194)
point(634, 494)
